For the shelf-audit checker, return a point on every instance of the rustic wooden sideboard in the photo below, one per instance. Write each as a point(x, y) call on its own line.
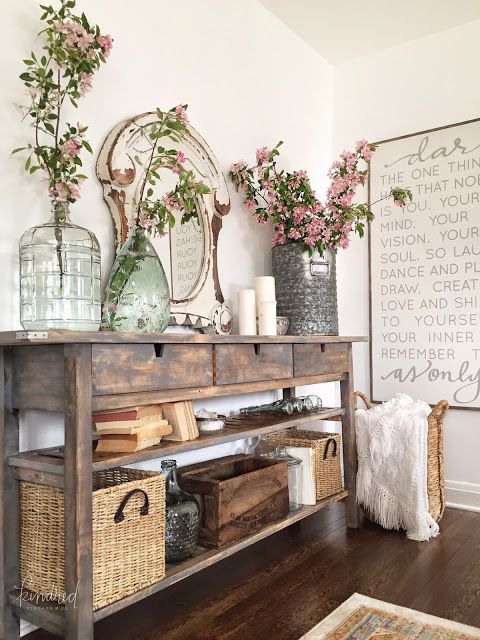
point(77, 373)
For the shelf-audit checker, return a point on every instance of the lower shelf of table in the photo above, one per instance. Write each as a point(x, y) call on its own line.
point(175, 573)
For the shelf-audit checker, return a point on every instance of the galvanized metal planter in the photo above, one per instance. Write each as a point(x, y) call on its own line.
point(306, 289)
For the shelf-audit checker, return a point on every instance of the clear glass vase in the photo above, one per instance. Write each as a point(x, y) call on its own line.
point(137, 297)
point(59, 275)
point(294, 476)
point(181, 531)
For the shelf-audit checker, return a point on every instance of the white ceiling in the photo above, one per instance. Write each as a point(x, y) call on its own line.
point(343, 29)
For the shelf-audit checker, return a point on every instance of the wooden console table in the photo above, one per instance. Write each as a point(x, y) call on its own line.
point(77, 373)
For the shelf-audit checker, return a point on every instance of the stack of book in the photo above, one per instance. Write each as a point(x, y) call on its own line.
point(182, 418)
point(131, 429)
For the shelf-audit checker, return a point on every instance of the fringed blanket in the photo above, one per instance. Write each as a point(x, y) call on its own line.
point(392, 465)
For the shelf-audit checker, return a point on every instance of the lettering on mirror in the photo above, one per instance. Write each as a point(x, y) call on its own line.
point(187, 250)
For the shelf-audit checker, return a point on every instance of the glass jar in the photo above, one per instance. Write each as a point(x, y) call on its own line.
point(264, 448)
point(294, 476)
point(59, 275)
point(137, 297)
point(182, 517)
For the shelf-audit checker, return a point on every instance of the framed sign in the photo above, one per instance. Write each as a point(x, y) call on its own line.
point(425, 267)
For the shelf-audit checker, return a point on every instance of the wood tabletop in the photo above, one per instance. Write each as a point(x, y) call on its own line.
point(13, 338)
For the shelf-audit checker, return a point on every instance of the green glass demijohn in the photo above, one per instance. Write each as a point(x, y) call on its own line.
point(137, 297)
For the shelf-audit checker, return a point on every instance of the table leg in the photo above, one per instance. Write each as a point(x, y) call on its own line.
point(78, 492)
point(353, 512)
point(9, 501)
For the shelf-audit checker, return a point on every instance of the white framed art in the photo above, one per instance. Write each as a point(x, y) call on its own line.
point(424, 264)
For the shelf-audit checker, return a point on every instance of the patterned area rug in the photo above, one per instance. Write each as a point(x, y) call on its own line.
point(362, 618)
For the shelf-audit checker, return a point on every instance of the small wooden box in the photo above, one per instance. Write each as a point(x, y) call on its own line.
point(238, 496)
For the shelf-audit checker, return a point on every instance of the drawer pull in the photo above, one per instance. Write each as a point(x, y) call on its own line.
point(257, 349)
point(322, 347)
point(159, 350)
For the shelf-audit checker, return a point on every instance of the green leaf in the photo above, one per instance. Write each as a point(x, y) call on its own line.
point(28, 62)
point(26, 77)
point(18, 149)
point(49, 127)
point(87, 146)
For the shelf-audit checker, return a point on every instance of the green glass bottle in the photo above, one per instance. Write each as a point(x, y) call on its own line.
point(137, 297)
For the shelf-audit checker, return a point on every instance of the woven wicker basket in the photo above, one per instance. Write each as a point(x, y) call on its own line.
point(435, 469)
point(128, 553)
point(326, 456)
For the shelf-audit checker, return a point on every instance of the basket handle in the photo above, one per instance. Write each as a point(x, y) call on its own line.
point(334, 452)
point(439, 410)
point(120, 516)
point(359, 394)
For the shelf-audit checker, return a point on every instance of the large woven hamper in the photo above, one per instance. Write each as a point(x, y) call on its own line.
point(435, 468)
point(326, 456)
point(128, 553)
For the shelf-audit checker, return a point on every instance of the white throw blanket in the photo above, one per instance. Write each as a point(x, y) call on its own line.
point(392, 465)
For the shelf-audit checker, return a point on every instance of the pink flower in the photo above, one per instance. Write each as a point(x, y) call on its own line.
point(63, 191)
point(344, 242)
point(251, 204)
point(176, 169)
point(70, 148)
point(359, 145)
point(84, 41)
point(71, 39)
point(35, 92)
point(144, 219)
point(112, 308)
point(363, 149)
point(294, 234)
point(106, 42)
point(180, 157)
point(262, 155)
point(85, 82)
point(239, 169)
point(181, 113)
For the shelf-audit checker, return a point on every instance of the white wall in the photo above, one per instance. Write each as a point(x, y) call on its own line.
point(420, 85)
point(248, 80)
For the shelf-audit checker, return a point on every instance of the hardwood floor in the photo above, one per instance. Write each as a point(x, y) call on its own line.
point(282, 586)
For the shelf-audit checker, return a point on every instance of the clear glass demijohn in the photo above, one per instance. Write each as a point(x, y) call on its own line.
point(59, 275)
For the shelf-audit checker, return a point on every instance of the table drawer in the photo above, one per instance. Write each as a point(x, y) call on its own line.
point(236, 363)
point(313, 359)
point(118, 368)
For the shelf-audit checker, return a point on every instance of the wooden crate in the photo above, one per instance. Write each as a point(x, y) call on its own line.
point(238, 495)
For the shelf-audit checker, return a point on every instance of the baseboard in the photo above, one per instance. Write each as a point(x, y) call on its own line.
point(26, 627)
point(462, 495)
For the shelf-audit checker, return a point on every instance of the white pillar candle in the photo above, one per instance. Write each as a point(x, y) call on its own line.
point(247, 322)
point(267, 320)
point(264, 290)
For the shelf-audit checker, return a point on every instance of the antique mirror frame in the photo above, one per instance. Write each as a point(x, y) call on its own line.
point(122, 179)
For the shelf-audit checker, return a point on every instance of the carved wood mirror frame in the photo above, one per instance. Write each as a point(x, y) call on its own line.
point(122, 179)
